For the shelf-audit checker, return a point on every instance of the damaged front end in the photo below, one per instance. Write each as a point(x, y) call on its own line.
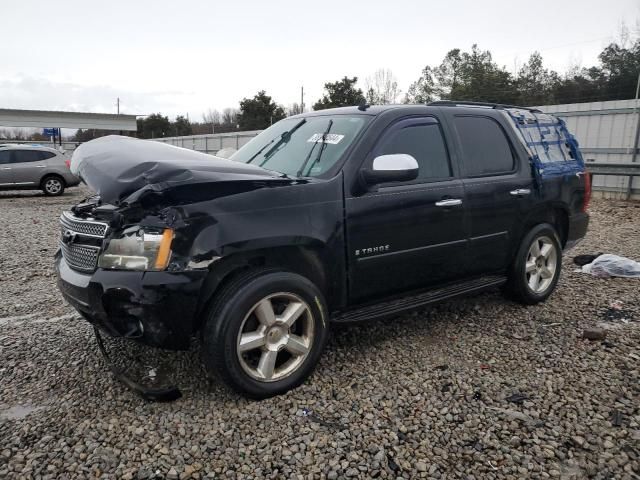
point(132, 258)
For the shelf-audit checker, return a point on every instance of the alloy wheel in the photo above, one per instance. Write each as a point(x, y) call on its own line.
point(276, 337)
point(541, 264)
point(53, 186)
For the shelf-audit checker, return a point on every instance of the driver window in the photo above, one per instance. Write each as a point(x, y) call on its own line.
point(425, 143)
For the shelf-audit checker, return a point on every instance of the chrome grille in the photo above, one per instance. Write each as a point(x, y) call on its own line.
point(80, 241)
point(83, 227)
point(80, 257)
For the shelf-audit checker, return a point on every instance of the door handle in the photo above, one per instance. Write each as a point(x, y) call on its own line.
point(40, 166)
point(450, 202)
point(6, 168)
point(520, 191)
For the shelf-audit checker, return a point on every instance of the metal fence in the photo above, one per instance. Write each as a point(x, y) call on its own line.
point(211, 143)
point(608, 136)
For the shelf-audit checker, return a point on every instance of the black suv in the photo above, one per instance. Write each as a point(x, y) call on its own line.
point(338, 215)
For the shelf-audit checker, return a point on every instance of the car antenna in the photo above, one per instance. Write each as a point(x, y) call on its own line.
point(363, 105)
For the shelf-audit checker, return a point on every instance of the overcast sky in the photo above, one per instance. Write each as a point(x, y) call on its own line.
point(186, 57)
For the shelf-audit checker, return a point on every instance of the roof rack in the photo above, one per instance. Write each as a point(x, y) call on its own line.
point(454, 103)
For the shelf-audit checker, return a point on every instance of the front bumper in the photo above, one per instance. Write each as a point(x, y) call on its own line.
point(154, 308)
point(578, 224)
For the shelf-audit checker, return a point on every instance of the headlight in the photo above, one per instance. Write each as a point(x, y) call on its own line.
point(138, 249)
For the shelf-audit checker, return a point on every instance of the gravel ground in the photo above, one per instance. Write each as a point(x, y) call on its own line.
point(473, 388)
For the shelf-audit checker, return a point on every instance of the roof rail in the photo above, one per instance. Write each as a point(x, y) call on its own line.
point(454, 103)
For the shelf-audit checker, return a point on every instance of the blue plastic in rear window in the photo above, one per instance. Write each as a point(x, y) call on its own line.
point(554, 151)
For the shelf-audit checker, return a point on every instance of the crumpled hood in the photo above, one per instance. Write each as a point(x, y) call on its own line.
point(120, 169)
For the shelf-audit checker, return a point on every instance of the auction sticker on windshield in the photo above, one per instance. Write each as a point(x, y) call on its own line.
point(332, 138)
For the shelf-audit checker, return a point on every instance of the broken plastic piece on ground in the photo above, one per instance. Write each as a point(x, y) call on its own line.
point(608, 265)
point(166, 394)
point(616, 418)
point(517, 398)
point(392, 463)
point(321, 421)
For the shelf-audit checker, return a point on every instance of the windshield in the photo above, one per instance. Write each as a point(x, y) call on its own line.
point(302, 147)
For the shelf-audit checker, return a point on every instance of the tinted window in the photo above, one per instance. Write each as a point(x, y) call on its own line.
point(486, 149)
point(5, 156)
point(424, 142)
point(46, 155)
point(23, 156)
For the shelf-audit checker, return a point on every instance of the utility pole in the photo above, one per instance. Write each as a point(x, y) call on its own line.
point(302, 99)
point(118, 105)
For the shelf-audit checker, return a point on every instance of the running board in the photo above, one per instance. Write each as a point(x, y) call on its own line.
point(393, 307)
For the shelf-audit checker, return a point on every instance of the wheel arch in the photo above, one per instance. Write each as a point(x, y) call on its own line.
point(52, 174)
point(555, 214)
point(308, 261)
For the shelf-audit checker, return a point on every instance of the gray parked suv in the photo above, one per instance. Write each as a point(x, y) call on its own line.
point(34, 167)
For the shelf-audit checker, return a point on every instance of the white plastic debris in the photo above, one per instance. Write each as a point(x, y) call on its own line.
point(608, 265)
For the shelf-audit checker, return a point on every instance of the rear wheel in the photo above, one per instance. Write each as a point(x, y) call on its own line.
point(52, 186)
point(536, 268)
point(265, 333)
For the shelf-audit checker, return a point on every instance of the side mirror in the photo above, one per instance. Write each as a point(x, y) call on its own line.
point(397, 167)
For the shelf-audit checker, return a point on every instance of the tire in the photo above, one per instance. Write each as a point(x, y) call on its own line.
point(254, 351)
point(52, 185)
point(532, 278)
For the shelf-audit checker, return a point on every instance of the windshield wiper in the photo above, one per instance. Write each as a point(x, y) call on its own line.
point(317, 159)
point(284, 137)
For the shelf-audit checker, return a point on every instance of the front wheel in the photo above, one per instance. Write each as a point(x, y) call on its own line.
point(536, 268)
point(265, 332)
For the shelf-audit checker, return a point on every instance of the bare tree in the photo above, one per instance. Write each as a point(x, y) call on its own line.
point(212, 117)
point(294, 109)
point(382, 87)
point(16, 133)
point(230, 116)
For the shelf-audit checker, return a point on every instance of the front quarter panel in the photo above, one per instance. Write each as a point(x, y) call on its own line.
point(256, 223)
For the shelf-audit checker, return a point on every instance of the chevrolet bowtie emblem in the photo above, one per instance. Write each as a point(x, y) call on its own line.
point(68, 237)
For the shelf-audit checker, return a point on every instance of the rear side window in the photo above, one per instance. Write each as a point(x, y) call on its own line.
point(423, 141)
point(25, 156)
point(5, 156)
point(485, 147)
point(46, 155)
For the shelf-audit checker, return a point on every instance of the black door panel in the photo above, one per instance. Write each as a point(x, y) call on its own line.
point(493, 215)
point(498, 190)
point(400, 240)
point(410, 235)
